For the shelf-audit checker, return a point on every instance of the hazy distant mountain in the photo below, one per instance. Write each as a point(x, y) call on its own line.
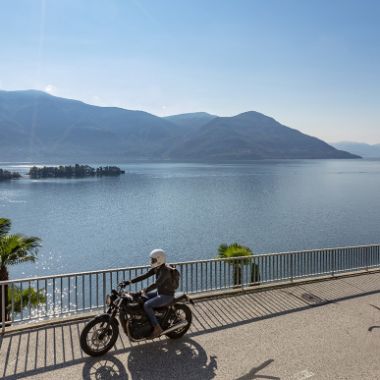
point(35, 126)
point(361, 149)
point(252, 135)
point(191, 121)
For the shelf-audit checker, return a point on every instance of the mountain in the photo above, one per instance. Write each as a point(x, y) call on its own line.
point(252, 135)
point(361, 149)
point(35, 126)
point(190, 121)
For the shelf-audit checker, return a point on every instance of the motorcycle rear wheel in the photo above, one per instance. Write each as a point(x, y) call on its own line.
point(182, 312)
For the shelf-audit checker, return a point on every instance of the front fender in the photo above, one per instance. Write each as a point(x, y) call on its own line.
point(105, 317)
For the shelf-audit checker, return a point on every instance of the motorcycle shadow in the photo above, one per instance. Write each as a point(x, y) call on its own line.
point(166, 359)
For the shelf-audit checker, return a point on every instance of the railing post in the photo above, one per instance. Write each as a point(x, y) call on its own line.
point(104, 291)
point(333, 258)
point(291, 267)
point(3, 313)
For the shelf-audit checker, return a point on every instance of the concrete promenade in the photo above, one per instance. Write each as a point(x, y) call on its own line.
point(321, 330)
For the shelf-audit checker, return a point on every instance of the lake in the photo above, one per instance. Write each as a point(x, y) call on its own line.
point(189, 209)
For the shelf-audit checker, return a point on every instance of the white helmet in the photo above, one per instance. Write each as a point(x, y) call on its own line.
point(157, 258)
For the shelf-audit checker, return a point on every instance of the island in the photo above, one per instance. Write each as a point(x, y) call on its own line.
point(76, 171)
point(6, 175)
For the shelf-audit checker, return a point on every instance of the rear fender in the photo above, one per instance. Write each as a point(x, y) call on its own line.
point(185, 299)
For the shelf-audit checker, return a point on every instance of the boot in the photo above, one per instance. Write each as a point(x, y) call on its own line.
point(157, 331)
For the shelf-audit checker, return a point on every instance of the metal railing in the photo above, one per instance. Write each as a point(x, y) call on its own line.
point(39, 298)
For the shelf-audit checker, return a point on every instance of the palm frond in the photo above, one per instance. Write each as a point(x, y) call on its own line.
point(222, 250)
point(234, 250)
point(5, 226)
point(21, 298)
point(16, 249)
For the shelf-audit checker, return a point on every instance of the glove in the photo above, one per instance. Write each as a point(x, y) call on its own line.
point(124, 283)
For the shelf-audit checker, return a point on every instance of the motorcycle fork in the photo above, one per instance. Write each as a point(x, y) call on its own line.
point(113, 315)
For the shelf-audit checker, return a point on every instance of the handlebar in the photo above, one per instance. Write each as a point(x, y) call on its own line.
point(123, 284)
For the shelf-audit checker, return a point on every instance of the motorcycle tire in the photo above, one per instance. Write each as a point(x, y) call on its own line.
point(88, 343)
point(185, 314)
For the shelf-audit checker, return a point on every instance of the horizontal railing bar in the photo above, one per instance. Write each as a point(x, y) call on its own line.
point(317, 250)
point(277, 254)
point(65, 275)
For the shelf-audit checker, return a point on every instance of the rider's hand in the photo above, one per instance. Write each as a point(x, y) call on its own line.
point(143, 293)
point(124, 283)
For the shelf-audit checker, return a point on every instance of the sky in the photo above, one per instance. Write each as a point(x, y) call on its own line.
point(313, 65)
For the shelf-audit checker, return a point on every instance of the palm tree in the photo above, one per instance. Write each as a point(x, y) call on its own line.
point(14, 249)
point(21, 297)
point(235, 250)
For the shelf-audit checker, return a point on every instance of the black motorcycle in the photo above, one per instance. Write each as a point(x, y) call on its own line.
point(101, 332)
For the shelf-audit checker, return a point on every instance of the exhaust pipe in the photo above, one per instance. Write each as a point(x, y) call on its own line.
point(175, 327)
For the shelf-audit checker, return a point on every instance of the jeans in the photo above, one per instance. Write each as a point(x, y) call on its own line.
point(155, 300)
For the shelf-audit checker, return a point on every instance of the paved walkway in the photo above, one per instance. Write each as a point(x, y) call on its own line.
point(324, 330)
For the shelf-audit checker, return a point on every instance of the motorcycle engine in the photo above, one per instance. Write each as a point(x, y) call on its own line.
point(133, 315)
point(139, 329)
point(139, 325)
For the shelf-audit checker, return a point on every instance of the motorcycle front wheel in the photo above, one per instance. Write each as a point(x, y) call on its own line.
point(181, 313)
point(98, 337)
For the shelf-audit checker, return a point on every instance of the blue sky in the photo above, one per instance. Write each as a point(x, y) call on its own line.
point(313, 65)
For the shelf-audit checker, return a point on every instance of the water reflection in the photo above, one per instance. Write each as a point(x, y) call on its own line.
point(189, 209)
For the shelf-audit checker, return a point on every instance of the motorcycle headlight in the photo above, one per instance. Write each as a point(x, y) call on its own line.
point(108, 300)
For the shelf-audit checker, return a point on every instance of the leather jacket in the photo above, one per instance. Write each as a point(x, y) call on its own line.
point(164, 283)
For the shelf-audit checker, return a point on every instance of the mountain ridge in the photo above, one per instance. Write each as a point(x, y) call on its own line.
point(362, 149)
point(234, 139)
point(190, 121)
point(35, 125)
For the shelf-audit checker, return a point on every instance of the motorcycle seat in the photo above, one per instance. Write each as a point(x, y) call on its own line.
point(178, 296)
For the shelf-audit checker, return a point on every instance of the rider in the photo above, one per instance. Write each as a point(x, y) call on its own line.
point(164, 294)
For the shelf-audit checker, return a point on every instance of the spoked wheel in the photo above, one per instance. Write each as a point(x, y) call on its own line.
point(104, 370)
point(97, 338)
point(108, 367)
point(181, 313)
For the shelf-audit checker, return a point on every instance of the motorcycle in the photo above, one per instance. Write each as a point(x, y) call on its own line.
point(101, 332)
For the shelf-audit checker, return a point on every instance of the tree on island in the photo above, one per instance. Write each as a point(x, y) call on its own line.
point(236, 250)
point(15, 249)
point(76, 171)
point(6, 175)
